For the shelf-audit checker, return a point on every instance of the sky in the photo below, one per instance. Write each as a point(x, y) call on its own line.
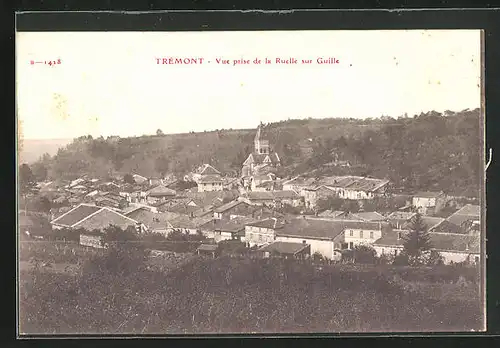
point(109, 83)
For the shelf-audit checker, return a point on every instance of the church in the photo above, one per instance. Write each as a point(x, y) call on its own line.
point(262, 160)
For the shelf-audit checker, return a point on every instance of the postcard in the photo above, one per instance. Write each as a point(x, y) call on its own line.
point(237, 182)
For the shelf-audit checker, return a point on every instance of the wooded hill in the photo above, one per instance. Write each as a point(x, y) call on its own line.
point(430, 151)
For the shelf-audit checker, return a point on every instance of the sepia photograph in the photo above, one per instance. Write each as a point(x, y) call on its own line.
point(250, 182)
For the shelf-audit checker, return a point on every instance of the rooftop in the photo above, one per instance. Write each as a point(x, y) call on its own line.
point(284, 248)
point(427, 194)
point(271, 223)
point(76, 215)
point(206, 179)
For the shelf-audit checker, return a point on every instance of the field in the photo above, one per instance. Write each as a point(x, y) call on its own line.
point(234, 295)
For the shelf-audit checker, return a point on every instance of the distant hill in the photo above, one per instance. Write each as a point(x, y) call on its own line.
point(430, 151)
point(33, 149)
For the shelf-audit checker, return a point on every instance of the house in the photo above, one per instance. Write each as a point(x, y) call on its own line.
point(230, 184)
point(208, 183)
point(91, 217)
point(428, 203)
point(372, 216)
point(335, 214)
point(398, 219)
point(468, 218)
point(355, 187)
point(390, 243)
point(265, 186)
point(94, 239)
point(274, 198)
point(208, 249)
point(241, 208)
point(363, 233)
point(139, 179)
point(259, 179)
point(324, 236)
point(154, 222)
point(454, 248)
point(262, 155)
point(429, 221)
point(205, 169)
point(186, 224)
point(159, 193)
point(316, 193)
point(298, 184)
point(286, 250)
point(262, 231)
point(233, 229)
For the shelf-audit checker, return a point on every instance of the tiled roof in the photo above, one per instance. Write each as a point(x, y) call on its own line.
point(284, 247)
point(103, 219)
point(391, 238)
point(161, 191)
point(401, 215)
point(370, 216)
point(469, 209)
point(331, 213)
point(455, 242)
point(309, 228)
point(466, 213)
point(150, 219)
point(233, 225)
point(207, 169)
point(210, 179)
point(439, 241)
point(447, 227)
point(229, 205)
point(429, 222)
point(184, 221)
point(271, 223)
point(76, 214)
point(427, 194)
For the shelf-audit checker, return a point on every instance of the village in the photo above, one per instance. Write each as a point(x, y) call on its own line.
point(273, 216)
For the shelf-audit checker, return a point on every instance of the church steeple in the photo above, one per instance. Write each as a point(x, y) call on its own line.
point(261, 146)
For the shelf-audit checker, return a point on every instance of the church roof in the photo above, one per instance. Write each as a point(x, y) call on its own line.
point(261, 158)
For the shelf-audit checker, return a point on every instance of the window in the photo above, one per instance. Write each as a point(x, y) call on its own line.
point(351, 245)
point(371, 235)
point(303, 242)
point(476, 259)
point(260, 238)
point(360, 234)
point(351, 233)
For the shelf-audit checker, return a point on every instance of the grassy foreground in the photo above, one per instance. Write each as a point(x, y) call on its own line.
point(118, 293)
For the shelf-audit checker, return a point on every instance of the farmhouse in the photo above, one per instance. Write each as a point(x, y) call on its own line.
point(233, 229)
point(428, 203)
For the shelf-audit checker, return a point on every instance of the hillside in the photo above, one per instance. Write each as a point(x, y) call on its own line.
point(427, 151)
point(33, 149)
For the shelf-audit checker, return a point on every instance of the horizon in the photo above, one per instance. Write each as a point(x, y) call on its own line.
point(240, 129)
point(123, 90)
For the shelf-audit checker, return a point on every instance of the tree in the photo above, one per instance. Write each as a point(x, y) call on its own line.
point(42, 204)
point(159, 132)
point(128, 179)
point(364, 254)
point(417, 242)
point(39, 171)
point(26, 179)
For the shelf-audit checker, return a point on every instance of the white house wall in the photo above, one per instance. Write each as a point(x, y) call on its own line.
point(356, 238)
point(324, 247)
